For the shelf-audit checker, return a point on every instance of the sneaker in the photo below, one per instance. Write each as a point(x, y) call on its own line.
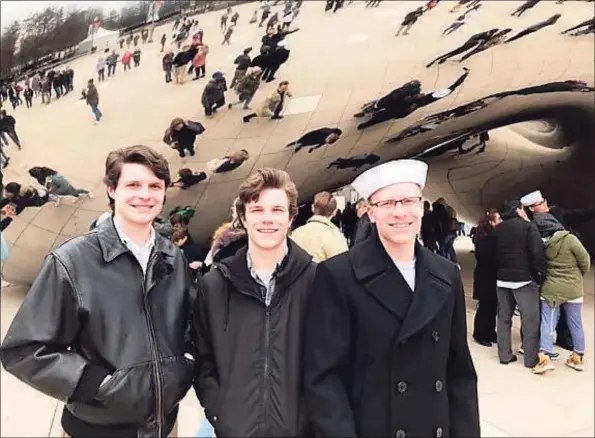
point(576, 361)
point(57, 201)
point(553, 356)
point(543, 365)
point(521, 350)
point(90, 195)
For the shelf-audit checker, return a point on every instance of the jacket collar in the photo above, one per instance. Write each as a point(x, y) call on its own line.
point(376, 271)
point(322, 220)
point(112, 246)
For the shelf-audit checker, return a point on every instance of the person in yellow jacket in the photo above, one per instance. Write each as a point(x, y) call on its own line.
point(272, 105)
point(319, 236)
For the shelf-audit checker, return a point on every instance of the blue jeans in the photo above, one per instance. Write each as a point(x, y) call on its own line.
point(549, 321)
point(448, 249)
point(96, 111)
point(167, 75)
point(206, 429)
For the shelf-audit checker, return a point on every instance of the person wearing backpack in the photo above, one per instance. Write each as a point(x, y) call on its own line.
point(181, 135)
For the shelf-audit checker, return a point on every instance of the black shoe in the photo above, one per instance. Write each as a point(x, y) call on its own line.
point(276, 117)
point(245, 119)
point(5, 163)
point(512, 359)
point(229, 106)
point(484, 343)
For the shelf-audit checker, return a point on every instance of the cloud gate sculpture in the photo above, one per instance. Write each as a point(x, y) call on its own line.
point(514, 117)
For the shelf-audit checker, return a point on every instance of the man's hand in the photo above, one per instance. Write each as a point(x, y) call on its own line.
point(195, 265)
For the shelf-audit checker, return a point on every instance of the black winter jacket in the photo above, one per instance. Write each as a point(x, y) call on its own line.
point(518, 251)
point(249, 368)
point(91, 312)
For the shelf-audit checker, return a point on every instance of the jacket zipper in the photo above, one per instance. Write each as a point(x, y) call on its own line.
point(265, 393)
point(158, 395)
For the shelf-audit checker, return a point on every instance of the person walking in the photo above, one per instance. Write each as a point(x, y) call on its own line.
point(380, 311)
point(409, 20)
point(273, 105)
point(199, 62)
point(136, 57)
point(116, 351)
point(28, 95)
point(93, 100)
point(8, 128)
point(250, 319)
point(227, 34)
point(112, 62)
point(243, 63)
point(532, 29)
point(100, 70)
point(472, 42)
point(246, 88)
point(181, 135)
point(520, 264)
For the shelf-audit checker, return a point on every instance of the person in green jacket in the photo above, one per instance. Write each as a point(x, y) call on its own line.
point(567, 263)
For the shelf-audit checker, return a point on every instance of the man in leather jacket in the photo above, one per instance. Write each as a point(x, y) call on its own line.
point(103, 326)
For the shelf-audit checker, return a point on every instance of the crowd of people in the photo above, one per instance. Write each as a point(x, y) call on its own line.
point(297, 320)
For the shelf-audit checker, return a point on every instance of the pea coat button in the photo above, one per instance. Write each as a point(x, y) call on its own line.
point(439, 432)
point(438, 385)
point(401, 387)
point(400, 434)
point(435, 336)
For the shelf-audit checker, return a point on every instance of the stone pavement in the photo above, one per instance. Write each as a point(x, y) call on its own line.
point(513, 402)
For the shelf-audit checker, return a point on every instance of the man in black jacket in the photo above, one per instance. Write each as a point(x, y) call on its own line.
point(250, 317)
point(386, 350)
point(521, 265)
point(103, 326)
point(243, 62)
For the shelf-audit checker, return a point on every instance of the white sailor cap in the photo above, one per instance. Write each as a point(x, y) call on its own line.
point(532, 198)
point(393, 172)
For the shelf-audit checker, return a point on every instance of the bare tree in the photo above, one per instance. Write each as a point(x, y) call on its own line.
point(8, 41)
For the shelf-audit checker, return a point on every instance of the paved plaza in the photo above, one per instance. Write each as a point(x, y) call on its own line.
point(337, 62)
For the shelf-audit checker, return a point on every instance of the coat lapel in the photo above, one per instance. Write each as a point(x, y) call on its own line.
point(432, 288)
point(381, 279)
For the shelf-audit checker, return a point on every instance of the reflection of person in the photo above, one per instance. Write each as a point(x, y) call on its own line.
point(552, 87)
point(246, 87)
point(412, 103)
point(273, 105)
point(354, 162)
point(56, 184)
point(213, 95)
point(230, 162)
point(524, 7)
point(409, 20)
point(181, 135)
point(394, 305)
point(193, 253)
point(497, 38)
point(549, 22)
point(187, 178)
point(317, 138)
point(460, 21)
point(135, 282)
point(589, 23)
point(473, 41)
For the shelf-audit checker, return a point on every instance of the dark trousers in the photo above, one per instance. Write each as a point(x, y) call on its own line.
point(181, 148)
point(111, 69)
point(199, 71)
point(29, 102)
point(526, 32)
point(269, 74)
point(484, 323)
point(378, 117)
point(527, 299)
point(455, 52)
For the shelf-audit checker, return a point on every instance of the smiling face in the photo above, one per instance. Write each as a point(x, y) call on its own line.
point(398, 224)
point(267, 220)
point(138, 196)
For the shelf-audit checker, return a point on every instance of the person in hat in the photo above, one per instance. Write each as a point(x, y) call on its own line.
point(544, 215)
point(213, 96)
point(386, 350)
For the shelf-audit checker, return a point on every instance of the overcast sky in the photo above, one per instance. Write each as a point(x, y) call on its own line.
point(11, 10)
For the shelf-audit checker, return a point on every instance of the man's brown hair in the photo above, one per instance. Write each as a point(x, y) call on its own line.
point(325, 204)
point(138, 154)
point(266, 178)
point(179, 234)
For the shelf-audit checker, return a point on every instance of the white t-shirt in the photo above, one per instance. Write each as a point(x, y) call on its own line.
point(407, 270)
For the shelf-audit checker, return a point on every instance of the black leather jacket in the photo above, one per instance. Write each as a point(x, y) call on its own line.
point(91, 313)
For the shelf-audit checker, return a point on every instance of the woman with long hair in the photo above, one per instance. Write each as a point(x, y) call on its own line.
point(484, 280)
point(182, 134)
point(56, 184)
